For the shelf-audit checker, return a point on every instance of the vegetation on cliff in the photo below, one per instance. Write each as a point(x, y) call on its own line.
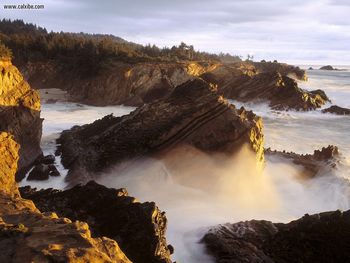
point(87, 53)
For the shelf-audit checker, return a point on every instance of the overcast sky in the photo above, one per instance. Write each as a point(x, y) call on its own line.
point(294, 31)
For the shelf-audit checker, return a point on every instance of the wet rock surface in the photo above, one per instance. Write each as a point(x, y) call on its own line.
point(320, 160)
point(321, 237)
point(139, 228)
point(194, 114)
point(337, 110)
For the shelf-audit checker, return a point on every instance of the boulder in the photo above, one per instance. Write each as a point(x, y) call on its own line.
point(193, 114)
point(42, 172)
point(337, 110)
point(139, 228)
point(20, 115)
point(320, 238)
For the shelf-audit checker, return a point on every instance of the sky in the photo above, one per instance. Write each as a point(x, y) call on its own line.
point(293, 31)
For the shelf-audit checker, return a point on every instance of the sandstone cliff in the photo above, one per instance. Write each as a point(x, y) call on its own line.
point(20, 115)
point(193, 114)
point(26, 235)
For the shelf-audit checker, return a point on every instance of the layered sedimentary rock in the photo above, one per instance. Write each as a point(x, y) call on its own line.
point(26, 235)
point(139, 228)
point(317, 238)
point(120, 83)
point(281, 92)
point(337, 110)
point(194, 114)
point(139, 83)
point(326, 158)
point(20, 115)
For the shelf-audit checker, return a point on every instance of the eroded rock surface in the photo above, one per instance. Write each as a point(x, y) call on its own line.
point(194, 114)
point(139, 228)
point(20, 115)
point(26, 235)
point(321, 237)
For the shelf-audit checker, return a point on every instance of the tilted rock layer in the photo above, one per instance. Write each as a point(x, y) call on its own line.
point(193, 114)
point(20, 115)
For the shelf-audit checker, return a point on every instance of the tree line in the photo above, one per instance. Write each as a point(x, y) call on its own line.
point(90, 52)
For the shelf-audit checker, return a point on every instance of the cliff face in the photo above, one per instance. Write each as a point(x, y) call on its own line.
point(26, 235)
point(193, 114)
point(136, 84)
point(20, 115)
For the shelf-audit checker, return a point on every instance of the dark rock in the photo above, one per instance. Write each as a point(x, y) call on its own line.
point(322, 94)
point(194, 114)
point(326, 158)
point(42, 172)
point(320, 238)
point(139, 228)
point(311, 68)
point(282, 68)
point(280, 91)
point(337, 110)
point(48, 159)
point(328, 67)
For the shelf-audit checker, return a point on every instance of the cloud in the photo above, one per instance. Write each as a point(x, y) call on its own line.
point(290, 30)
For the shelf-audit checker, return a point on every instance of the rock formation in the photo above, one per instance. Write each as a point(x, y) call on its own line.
point(337, 110)
point(282, 68)
point(26, 235)
point(320, 238)
point(139, 228)
point(327, 157)
point(20, 115)
point(194, 114)
point(328, 67)
point(280, 91)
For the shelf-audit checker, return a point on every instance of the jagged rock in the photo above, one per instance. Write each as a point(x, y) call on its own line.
point(280, 91)
point(194, 114)
point(26, 235)
point(282, 68)
point(327, 157)
point(48, 159)
point(42, 172)
point(139, 228)
point(320, 238)
point(20, 115)
point(337, 110)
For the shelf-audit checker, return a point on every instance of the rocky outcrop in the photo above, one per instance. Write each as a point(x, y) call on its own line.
point(337, 110)
point(282, 68)
point(120, 83)
point(317, 238)
point(139, 228)
point(328, 67)
point(20, 115)
point(26, 235)
point(194, 114)
point(281, 92)
point(326, 158)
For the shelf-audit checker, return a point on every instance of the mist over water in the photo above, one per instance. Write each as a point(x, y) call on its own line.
point(198, 191)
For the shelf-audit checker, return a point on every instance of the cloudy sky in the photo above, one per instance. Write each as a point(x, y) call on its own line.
point(294, 31)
